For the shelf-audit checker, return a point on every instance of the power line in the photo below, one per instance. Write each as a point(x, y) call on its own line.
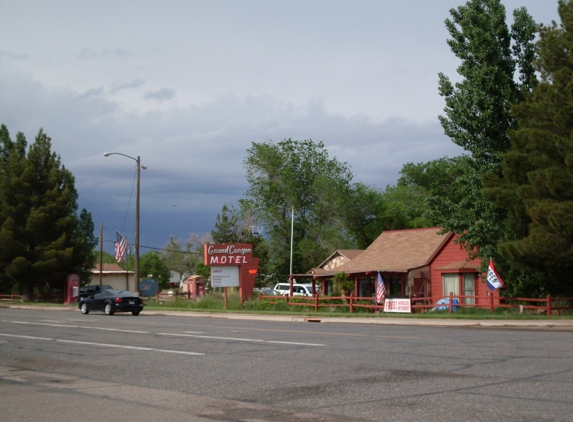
point(162, 249)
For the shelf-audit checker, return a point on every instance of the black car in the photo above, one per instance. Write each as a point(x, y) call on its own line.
point(111, 301)
point(93, 289)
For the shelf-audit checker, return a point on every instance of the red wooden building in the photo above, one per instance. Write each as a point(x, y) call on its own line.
point(417, 262)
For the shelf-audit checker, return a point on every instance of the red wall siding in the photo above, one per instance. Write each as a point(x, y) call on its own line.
point(450, 254)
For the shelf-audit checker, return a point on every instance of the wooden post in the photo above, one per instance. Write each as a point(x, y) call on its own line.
point(225, 298)
point(316, 303)
point(548, 305)
point(351, 304)
point(491, 302)
point(100, 252)
point(451, 301)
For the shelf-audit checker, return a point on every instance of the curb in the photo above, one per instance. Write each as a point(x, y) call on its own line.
point(552, 324)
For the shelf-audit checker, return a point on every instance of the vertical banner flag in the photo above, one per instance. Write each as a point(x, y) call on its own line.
point(494, 281)
point(380, 289)
point(120, 246)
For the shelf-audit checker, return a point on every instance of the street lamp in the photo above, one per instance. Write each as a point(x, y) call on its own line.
point(136, 260)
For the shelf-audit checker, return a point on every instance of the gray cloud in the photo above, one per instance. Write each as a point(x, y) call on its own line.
point(14, 56)
point(194, 154)
point(88, 53)
point(94, 92)
point(136, 83)
point(160, 95)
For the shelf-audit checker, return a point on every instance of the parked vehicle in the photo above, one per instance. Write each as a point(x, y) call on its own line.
point(93, 289)
point(297, 289)
point(266, 291)
point(111, 301)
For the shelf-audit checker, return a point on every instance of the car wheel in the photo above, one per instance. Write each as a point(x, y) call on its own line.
point(135, 313)
point(108, 310)
point(84, 308)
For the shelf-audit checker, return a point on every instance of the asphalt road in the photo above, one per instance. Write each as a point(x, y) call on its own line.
point(65, 366)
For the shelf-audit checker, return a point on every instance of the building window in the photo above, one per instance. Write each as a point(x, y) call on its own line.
point(469, 288)
point(395, 285)
point(456, 283)
point(451, 283)
point(366, 287)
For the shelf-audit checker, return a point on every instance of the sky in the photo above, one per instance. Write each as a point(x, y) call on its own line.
point(189, 85)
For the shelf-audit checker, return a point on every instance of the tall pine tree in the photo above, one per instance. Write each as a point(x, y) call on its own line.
point(42, 240)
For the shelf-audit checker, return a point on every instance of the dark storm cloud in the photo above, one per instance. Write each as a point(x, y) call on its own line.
point(194, 154)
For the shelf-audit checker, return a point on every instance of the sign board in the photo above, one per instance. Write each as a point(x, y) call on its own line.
point(225, 276)
point(228, 254)
point(398, 305)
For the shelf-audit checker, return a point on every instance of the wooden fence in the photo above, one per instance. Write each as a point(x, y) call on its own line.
point(545, 305)
point(10, 298)
point(37, 298)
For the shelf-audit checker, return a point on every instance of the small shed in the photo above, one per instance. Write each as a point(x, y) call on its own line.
point(194, 286)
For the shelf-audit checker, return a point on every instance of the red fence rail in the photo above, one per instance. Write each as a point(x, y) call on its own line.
point(545, 304)
point(10, 298)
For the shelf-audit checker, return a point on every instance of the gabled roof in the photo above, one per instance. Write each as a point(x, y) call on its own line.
point(397, 251)
point(348, 253)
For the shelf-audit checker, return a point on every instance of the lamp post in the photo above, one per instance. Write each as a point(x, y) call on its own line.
point(136, 258)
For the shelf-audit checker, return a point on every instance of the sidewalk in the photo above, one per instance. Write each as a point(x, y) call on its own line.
point(556, 324)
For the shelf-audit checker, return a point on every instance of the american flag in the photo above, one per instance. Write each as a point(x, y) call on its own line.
point(120, 246)
point(380, 289)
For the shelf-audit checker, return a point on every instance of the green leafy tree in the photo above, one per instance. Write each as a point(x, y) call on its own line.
point(478, 108)
point(370, 211)
point(107, 258)
point(183, 255)
point(300, 176)
point(42, 239)
point(478, 115)
point(362, 209)
point(203, 270)
point(536, 188)
point(152, 266)
point(342, 285)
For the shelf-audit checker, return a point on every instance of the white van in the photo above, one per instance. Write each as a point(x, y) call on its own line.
point(297, 289)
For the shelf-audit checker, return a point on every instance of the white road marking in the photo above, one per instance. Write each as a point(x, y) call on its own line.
point(27, 337)
point(77, 326)
point(242, 339)
point(294, 343)
point(117, 346)
point(190, 334)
